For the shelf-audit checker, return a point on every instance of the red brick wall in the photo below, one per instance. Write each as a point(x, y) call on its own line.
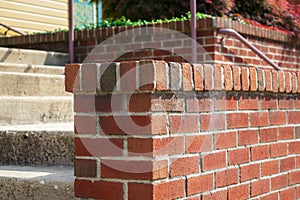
point(280, 47)
point(157, 130)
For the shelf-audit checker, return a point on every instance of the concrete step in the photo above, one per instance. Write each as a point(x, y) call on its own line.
point(28, 68)
point(33, 57)
point(39, 144)
point(30, 84)
point(35, 109)
point(36, 183)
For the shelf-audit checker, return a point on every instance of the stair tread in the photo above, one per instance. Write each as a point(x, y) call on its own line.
point(64, 127)
point(38, 173)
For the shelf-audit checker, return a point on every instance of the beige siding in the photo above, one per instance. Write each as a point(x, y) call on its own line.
point(34, 15)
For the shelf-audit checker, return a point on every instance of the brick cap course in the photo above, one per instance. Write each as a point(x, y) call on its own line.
point(176, 77)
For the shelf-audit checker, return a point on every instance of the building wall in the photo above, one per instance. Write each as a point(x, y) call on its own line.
point(34, 15)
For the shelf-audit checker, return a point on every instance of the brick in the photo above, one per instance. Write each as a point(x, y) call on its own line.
point(213, 160)
point(167, 102)
point(287, 164)
point(245, 78)
point(249, 172)
point(85, 124)
point(253, 79)
point(161, 75)
point(269, 168)
point(281, 80)
point(146, 75)
point(237, 120)
point(108, 77)
point(150, 147)
point(199, 103)
point(228, 78)
point(275, 81)
point(199, 184)
point(226, 102)
point(294, 177)
point(186, 77)
point(165, 190)
point(269, 102)
point(98, 189)
point(139, 102)
point(198, 77)
point(286, 102)
point(225, 140)
point(218, 77)
point(259, 119)
point(260, 187)
point(294, 147)
point(288, 82)
point(248, 137)
point(219, 195)
point(272, 196)
point(128, 76)
point(268, 78)
point(198, 143)
point(184, 166)
point(239, 192)
point(260, 152)
point(238, 156)
point(98, 147)
point(288, 194)
point(298, 192)
point(183, 123)
point(236, 78)
point(294, 83)
point(175, 76)
point(208, 77)
point(261, 80)
point(298, 77)
point(133, 125)
point(85, 168)
point(248, 102)
point(269, 135)
point(89, 77)
point(278, 149)
point(277, 117)
point(286, 133)
point(72, 81)
point(227, 177)
point(280, 181)
point(134, 169)
point(212, 122)
point(294, 117)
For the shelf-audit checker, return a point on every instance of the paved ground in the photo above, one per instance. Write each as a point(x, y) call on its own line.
point(40, 127)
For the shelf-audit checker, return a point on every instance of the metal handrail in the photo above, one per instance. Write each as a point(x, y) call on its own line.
point(249, 45)
point(11, 29)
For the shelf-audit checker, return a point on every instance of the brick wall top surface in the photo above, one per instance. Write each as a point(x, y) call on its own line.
point(181, 26)
point(150, 75)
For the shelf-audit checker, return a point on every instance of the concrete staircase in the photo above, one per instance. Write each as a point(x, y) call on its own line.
point(36, 126)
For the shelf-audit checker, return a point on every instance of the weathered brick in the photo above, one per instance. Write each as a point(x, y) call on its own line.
point(200, 184)
point(280, 181)
point(287, 164)
point(245, 78)
point(183, 123)
point(212, 121)
point(278, 149)
point(288, 194)
point(226, 102)
point(236, 78)
point(199, 102)
point(238, 156)
point(213, 160)
point(161, 75)
point(228, 78)
point(184, 166)
point(249, 172)
point(259, 119)
point(269, 168)
point(247, 137)
point(277, 117)
point(260, 187)
point(286, 133)
point(208, 77)
point(218, 77)
point(146, 75)
point(219, 195)
point(248, 102)
point(260, 152)
point(268, 135)
point(227, 177)
point(237, 120)
point(275, 81)
point(187, 77)
point(225, 140)
point(198, 77)
point(239, 192)
point(198, 143)
point(253, 79)
point(85, 168)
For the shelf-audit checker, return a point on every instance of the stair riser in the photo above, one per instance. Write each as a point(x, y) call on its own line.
point(35, 190)
point(36, 148)
point(32, 110)
point(24, 68)
point(33, 57)
point(18, 84)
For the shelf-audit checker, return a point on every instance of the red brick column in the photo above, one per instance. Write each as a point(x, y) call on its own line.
point(157, 130)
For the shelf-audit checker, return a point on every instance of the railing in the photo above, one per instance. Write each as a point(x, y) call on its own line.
point(249, 45)
point(10, 29)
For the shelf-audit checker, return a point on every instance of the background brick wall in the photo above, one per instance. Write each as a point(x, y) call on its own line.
point(166, 130)
point(284, 49)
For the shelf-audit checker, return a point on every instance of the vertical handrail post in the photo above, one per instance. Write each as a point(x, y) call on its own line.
point(71, 32)
point(193, 30)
